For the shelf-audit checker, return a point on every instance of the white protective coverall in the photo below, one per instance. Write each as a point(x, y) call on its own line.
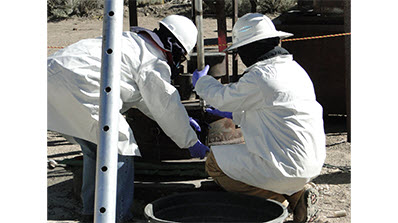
point(275, 105)
point(73, 91)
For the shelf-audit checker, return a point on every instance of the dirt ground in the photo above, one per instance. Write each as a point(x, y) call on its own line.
point(334, 182)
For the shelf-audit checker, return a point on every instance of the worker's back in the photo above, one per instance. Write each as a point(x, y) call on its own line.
point(73, 86)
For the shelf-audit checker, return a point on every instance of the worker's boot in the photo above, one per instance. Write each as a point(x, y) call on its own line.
point(306, 209)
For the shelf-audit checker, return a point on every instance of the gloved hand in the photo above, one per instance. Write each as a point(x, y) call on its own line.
point(198, 150)
point(198, 74)
point(217, 112)
point(194, 124)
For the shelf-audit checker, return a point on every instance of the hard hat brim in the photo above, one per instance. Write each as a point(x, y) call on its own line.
point(279, 34)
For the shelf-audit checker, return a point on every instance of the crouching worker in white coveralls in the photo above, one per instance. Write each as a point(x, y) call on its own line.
point(274, 104)
point(148, 62)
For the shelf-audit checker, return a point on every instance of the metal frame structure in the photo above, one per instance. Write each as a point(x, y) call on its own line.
point(199, 25)
point(200, 43)
point(107, 155)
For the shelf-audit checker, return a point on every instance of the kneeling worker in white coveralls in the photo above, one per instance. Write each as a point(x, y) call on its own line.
point(150, 59)
point(274, 103)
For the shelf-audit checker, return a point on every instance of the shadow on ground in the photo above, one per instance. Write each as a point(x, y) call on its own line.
point(62, 204)
point(335, 124)
point(334, 178)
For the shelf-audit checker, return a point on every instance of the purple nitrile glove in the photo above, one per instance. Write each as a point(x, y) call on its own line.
point(198, 150)
point(217, 112)
point(198, 74)
point(194, 124)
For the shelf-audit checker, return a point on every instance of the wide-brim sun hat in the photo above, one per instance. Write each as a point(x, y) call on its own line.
point(253, 27)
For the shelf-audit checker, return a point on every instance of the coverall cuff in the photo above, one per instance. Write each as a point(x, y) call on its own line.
point(201, 84)
point(237, 117)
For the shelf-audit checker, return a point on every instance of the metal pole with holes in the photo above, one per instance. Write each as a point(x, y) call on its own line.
point(107, 154)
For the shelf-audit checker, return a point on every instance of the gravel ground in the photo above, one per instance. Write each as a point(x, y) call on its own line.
point(334, 182)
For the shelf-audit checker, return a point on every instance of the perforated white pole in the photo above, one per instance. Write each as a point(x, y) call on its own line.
point(106, 176)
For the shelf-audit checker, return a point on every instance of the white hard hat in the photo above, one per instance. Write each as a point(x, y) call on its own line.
point(183, 29)
point(253, 27)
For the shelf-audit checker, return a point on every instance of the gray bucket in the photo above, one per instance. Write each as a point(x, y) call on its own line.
point(215, 207)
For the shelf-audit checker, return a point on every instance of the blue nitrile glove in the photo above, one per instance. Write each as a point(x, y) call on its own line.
point(217, 112)
point(198, 150)
point(198, 74)
point(194, 124)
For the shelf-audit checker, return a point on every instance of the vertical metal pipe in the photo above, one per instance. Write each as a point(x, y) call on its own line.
point(347, 49)
point(107, 154)
point(253, 5)
point(200, 49)
point(235, 10)
point(193, 12)
point(133, 19)
point(222, 35)
point(200, 44)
